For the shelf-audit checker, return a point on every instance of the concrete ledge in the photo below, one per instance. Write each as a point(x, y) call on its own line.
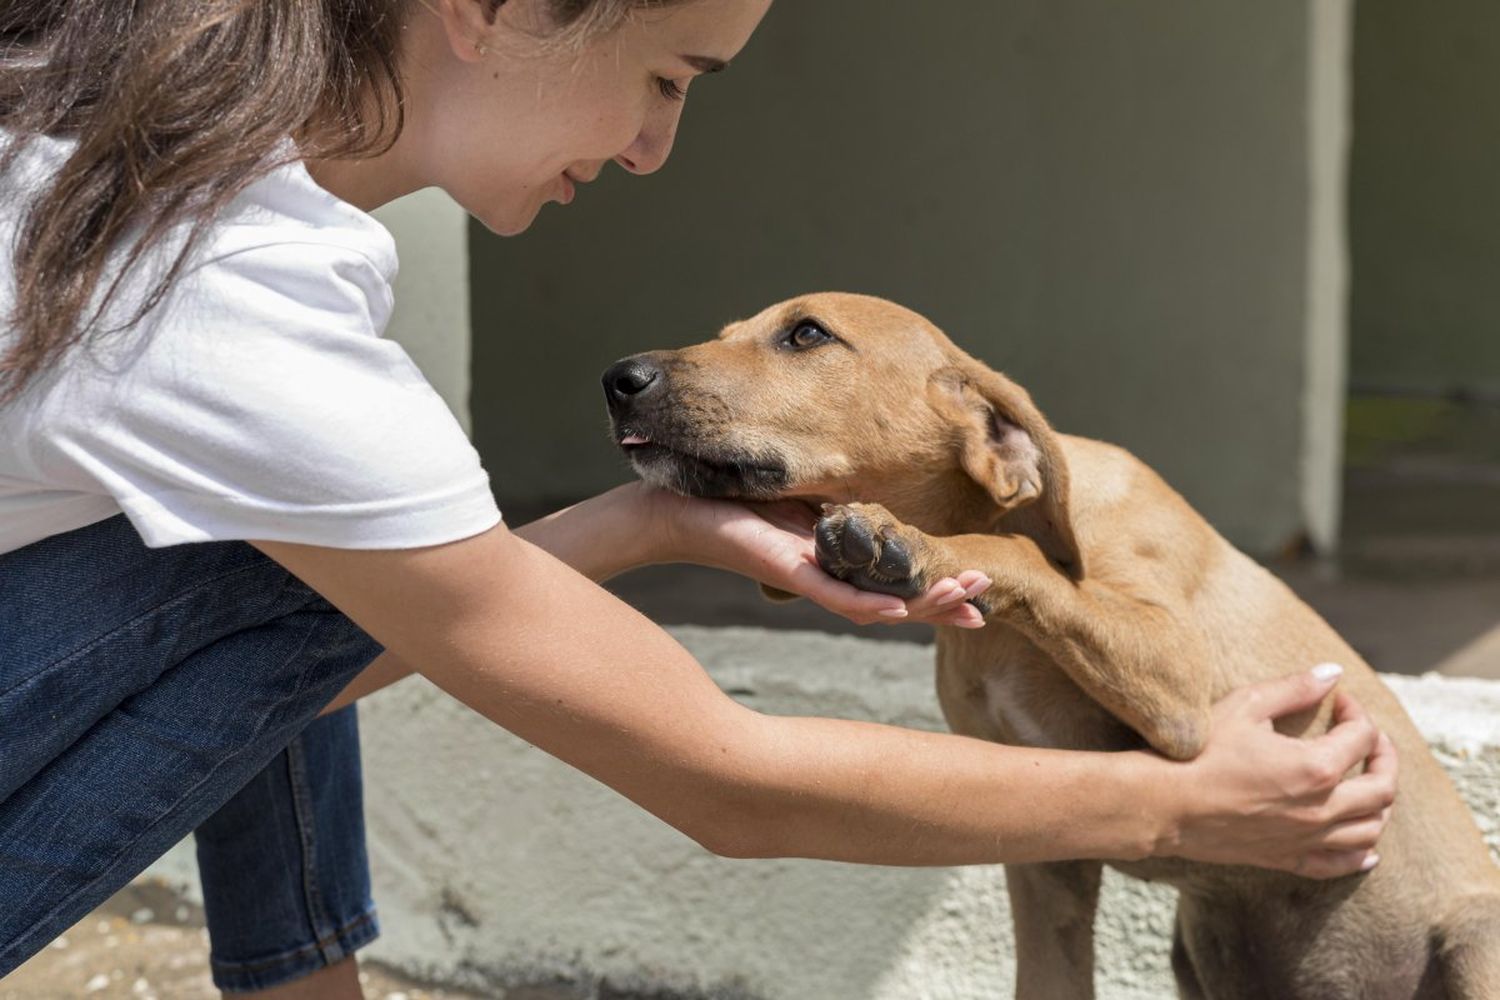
point(497, 867)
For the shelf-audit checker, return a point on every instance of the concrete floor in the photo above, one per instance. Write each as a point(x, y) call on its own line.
point(147, 943)
point(1418, 589)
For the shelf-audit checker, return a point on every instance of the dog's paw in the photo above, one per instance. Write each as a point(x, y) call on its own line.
point(864, 545)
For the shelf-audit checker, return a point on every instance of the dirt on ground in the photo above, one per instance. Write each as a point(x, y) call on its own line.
point(147, 943)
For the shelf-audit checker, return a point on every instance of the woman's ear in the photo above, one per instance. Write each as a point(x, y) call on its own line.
point(1006, 446)
point(468, 25)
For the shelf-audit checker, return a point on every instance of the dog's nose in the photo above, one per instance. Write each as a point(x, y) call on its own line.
point(627, 380)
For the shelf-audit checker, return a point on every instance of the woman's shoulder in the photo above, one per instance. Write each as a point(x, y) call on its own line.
point(287, 207)
point(283, 207)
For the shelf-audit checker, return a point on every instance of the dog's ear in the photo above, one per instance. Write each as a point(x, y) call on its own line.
point(1006, 446)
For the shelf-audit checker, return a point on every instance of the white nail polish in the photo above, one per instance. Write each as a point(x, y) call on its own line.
point(1327, 671)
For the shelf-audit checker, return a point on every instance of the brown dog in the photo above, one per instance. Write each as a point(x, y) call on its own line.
point(1117, 616)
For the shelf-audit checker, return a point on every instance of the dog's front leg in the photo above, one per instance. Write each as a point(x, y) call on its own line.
point(1052, 907)
point(1127, 649)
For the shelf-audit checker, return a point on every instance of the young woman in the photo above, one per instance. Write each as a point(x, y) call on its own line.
point(223, 498)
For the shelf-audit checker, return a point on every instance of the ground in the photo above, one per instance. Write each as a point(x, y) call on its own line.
point(148, 944)
point(1408, 598)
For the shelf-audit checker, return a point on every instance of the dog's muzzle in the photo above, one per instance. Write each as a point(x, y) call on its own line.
point(669, 452)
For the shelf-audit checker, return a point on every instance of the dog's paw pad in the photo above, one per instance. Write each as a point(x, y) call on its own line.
point(863, 545)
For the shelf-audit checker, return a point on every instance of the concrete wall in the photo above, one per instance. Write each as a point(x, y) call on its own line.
point(1133, 208)
point(496, 866)
point(1424, 200)
point(431, 318)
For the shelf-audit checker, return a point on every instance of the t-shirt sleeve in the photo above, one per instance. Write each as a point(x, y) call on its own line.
point(264, 404)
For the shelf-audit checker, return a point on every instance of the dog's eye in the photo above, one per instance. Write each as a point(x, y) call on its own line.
point(806, 334)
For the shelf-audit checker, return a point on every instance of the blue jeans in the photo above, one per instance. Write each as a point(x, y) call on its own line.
point(146, 693)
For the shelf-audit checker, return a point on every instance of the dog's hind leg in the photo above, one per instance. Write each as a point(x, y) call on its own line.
point(1468, 948)
point(1052, 907)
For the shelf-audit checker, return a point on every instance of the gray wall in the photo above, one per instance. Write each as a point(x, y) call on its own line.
point(431, 317)
point(1112, 202)
point(1425, 194)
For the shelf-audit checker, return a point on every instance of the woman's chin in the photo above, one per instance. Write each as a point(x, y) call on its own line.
point(510, 222)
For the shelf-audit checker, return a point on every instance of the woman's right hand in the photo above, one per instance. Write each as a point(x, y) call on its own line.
point(1254, 796)
point(772, 543)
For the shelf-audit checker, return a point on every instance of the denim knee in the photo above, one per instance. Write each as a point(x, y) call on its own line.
point(140, 690)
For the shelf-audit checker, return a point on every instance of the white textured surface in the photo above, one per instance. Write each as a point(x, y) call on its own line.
point(497, 865)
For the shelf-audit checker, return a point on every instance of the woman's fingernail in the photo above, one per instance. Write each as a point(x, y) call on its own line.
point(1326, 672)
point(978, 587)
point(954, 593)
point(893, 613)
point(1371, 860)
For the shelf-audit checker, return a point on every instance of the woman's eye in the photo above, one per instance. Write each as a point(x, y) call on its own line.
point(805, 335)
point(671, 89)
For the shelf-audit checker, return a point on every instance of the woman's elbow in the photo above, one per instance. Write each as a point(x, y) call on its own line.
point(744, 813)
point(733, 830)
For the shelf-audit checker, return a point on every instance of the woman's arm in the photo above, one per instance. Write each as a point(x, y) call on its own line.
point(539, 649)
point(633, 526)
point(636, 525)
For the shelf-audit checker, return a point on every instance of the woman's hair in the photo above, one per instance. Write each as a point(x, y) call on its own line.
point(176, 106)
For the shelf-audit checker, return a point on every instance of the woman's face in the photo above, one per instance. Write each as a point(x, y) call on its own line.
point(507, 122)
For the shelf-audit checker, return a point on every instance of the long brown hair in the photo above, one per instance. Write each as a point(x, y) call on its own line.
point(176, 106)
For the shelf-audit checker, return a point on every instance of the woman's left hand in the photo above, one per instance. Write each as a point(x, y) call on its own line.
point(773, 543)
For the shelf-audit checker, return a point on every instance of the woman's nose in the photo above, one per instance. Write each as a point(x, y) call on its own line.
point(653, 144)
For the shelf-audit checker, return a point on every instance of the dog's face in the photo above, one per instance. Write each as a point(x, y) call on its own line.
point(796, 401)
point(835, 397)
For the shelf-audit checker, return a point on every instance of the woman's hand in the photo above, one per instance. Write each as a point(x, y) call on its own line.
point(773, 543)
point(1257, 797)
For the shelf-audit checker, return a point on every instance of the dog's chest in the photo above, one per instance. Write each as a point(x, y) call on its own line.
point(1006, 701)
point(1001, 687)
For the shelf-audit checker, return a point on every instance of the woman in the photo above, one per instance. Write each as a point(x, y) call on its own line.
point(222, 495)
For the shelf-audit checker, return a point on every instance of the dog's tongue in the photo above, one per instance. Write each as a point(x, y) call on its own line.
point(634, 439)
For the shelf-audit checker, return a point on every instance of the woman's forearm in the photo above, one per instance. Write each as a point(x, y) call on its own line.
point(515, 635)
point(875, 794)
point(526, 641)
point(602, 536)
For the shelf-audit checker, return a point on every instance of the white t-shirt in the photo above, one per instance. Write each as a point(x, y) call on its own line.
point(258, 400)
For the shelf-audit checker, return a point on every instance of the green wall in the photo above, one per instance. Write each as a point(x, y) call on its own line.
point(1425, 194)
point(1109, 201)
